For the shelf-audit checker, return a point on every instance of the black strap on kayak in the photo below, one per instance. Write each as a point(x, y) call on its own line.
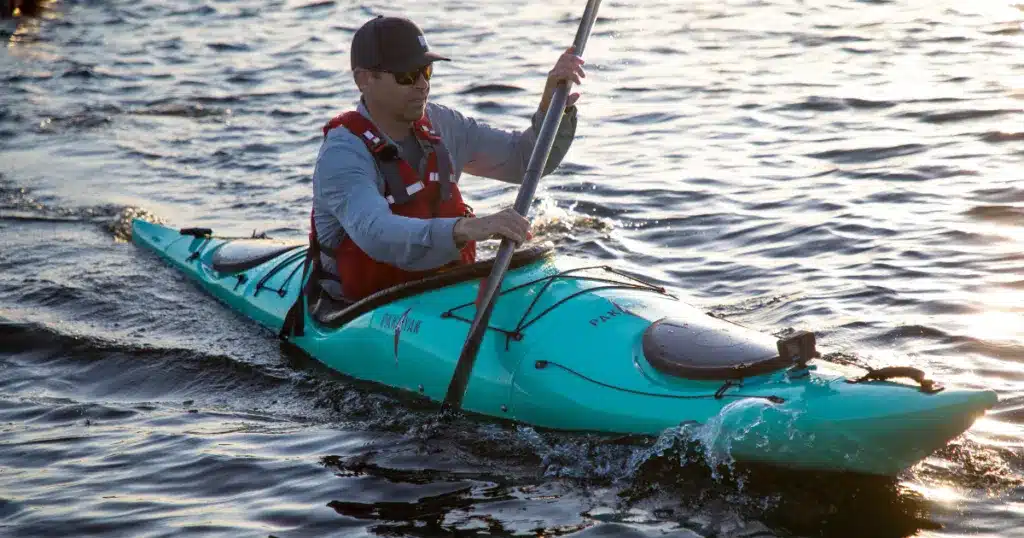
point(199, 249)
point(196, 232)
point(891, 372)
point(525, 321)
point(282, 290)
point(614, 284)
point(294, 323)
point(718, 395)
point(207, 233)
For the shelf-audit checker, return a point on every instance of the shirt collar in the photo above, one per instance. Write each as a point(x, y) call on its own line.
point(361, 108)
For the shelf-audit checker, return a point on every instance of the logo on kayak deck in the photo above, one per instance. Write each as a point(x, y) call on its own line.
point(619, 310)
point(399, 324)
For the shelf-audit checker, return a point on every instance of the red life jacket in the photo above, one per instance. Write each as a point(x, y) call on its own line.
point(435, 195)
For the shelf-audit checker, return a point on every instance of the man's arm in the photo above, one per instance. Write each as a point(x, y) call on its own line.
point(488, 152)
point(345, 183)
point(497, 154)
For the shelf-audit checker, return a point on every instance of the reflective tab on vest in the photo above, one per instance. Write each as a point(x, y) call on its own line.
point(396, 188)
point(410, 190)
point(444, 170)
point(371, 137)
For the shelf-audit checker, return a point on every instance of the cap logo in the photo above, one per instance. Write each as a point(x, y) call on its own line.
point(423, 42)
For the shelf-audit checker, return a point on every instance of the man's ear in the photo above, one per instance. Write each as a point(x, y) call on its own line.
point(361, 78)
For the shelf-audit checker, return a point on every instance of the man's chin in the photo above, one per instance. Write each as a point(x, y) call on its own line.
point(415, 112)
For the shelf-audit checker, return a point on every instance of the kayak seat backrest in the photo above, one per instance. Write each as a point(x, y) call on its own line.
point(708, 348)
point(462, 273)
point(243, 254)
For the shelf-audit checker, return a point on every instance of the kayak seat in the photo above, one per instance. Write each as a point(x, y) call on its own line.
point(240, 255)
point(462, 273)
point(708, 348)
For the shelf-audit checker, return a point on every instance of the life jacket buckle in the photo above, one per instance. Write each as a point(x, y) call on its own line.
point(385, 152)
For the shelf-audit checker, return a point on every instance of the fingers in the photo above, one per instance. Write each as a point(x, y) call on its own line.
point(564, 75)
point(510, 224)
point(568, 68)
point(572, 100)
point(508, 232)
point(569, 63)
point(511, 234)
point(569, 56)
point(517, 225)
point(510, 213)
point(571, 52)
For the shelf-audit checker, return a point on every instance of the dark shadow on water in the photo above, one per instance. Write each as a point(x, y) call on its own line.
point(687, 492)
point(27, 8)
point(457, 503)
point(458, 508)
point(826, 504)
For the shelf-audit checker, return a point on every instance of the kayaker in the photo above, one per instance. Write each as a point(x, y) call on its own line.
point(386, 203)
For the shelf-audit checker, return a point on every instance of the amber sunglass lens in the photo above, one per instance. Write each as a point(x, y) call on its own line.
point(409, 78)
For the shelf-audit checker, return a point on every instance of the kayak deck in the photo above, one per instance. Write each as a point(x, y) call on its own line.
point(567, 348)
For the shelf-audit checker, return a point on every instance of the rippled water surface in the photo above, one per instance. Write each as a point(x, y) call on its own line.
point(853, 168)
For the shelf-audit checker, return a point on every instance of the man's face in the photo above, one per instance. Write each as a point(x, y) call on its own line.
point(400, 95)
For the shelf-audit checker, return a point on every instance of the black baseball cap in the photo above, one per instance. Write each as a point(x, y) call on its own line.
point(391, 44)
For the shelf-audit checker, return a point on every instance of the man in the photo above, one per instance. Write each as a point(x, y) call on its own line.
point(386, 204)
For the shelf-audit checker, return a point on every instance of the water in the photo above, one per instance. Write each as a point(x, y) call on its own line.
point(850, 168)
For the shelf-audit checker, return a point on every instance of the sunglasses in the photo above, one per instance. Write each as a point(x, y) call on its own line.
point(409, 78)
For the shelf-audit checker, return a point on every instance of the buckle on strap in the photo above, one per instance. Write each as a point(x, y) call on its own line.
point(371, 137)
point(799, 346)
point(379, 148)
point(385, 152)
point(428, 131)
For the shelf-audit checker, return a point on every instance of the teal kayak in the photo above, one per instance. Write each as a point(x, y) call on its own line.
point(582, 347)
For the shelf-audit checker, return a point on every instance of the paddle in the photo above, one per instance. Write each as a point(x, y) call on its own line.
point(538, 160)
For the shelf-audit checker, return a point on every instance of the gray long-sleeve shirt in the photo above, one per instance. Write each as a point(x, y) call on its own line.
point(348, 188)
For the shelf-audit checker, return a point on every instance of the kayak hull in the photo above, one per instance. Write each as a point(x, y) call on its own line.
point(566, 351)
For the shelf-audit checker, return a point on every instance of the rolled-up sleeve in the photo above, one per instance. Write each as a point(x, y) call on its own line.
point(502, 155)
point(345, 186)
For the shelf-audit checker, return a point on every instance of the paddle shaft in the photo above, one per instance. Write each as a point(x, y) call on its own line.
point(538, 161)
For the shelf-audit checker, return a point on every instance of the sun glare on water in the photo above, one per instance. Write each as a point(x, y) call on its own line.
point(997, 326)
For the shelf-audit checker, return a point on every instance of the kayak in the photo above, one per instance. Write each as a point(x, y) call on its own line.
point(578, 346)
